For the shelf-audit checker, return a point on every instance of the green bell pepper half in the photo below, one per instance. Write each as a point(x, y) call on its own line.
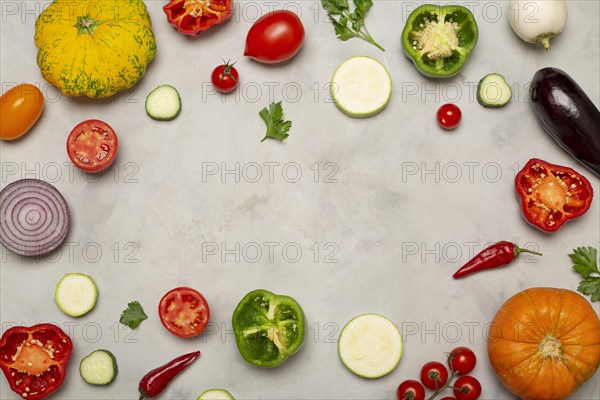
point(268, 328)
point(439, 39)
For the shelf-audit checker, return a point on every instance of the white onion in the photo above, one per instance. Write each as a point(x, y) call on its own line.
point(537, 21)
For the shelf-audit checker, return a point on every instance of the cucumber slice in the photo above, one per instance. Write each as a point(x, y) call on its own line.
point(163, 103)
point(370, 345)
point(99, 368)
point(76, 294)
point(361, 87)
point(493, 91)
point(215, 394)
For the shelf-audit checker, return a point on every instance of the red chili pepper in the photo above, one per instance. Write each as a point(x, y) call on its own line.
point(495, 256)
point(157, 380)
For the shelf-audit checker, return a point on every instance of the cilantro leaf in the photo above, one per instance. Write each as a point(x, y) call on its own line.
point(586, 265)
point(277, 128)
point(133, 315)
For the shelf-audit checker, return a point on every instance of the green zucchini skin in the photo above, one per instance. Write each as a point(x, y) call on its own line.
point(480, 88)
point(85, 374)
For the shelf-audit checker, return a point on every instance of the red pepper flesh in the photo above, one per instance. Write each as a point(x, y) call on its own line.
point(552, 194)
point(157, 380)
point(34, 359)
point(191, 17)
point(495, 256)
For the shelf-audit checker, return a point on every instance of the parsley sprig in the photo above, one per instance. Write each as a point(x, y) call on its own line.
point(277, 128)
point(350, 24)
point(585, 264)
point(133, 315)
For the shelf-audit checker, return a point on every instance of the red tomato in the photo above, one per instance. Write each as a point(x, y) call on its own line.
point(20, 108)
point(184, 312)
point(92, 145)
point(467, 388)
point(275, 37)
point(462, 360)
point(191, 17)
point(225, 78)
point(449, 116)
point(410, 390)
point(434, 375)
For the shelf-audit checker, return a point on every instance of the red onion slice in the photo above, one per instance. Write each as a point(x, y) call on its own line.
point(34, 217)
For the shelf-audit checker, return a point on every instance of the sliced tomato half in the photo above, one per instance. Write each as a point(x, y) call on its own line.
point(184, 312)
point(92, 145)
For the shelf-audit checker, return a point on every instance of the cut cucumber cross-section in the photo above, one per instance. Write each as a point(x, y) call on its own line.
point(99, 368)
point(76, 294)
point(370, 345)
point(361, 87)
point(163, 103)
point(215, 394)
point(493, 91)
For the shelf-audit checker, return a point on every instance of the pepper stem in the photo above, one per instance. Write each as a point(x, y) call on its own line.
point(518, 250)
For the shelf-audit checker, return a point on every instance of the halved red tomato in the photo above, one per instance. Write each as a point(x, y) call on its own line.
point(92, 145)
point(184, 312)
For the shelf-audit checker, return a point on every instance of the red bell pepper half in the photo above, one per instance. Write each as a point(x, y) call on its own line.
point(551, 194)
point(34, 359)
point(191, 17)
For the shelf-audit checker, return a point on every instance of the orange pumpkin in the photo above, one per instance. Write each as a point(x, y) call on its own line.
point(544, 343)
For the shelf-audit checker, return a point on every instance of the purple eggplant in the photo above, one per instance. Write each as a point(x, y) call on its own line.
point(568, 115)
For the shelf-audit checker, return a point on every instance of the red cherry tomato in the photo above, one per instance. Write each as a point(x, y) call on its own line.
point(225, 78)
point(449, 116)
point(92, 145)
point(410, 390)
point(434, 375)
point(275, 37)
point(184, 312)
point(467, 388)
point(462, 360)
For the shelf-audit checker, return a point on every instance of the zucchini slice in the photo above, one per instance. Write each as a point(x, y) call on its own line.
point(370, 345)
point(361, 87)
point(99, 368)
point(76, 294)
point(493, 91)
point(215, 394)
point(163, 103)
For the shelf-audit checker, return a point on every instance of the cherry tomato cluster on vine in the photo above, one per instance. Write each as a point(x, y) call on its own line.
point(435, 376)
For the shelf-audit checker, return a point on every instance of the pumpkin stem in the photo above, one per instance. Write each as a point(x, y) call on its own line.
point(550, 347)
point(86, 24)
